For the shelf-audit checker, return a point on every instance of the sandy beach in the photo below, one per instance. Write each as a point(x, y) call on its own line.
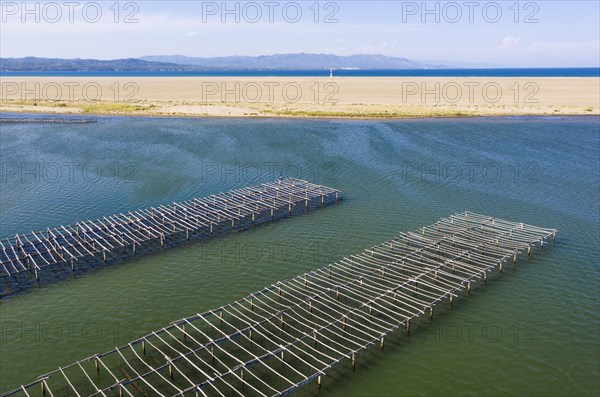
point(368, 97)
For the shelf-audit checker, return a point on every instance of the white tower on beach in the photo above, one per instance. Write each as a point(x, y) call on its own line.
point(330, 72)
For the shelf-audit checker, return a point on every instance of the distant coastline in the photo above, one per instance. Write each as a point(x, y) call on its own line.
point(447, 72)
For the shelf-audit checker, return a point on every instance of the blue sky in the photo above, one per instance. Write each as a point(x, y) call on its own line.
point(476, 33)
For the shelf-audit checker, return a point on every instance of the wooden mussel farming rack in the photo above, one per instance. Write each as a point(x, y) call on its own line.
point(46, 120)
point(26, 258)
point(290, 335)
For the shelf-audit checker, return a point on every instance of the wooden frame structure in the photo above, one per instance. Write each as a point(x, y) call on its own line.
point(46, 120)
point(277, 340)
point(67, 249)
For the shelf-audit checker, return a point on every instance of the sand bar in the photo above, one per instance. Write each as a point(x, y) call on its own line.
point(377, 97)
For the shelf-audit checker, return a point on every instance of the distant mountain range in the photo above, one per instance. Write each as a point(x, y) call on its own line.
point(170, 63)
point(295, 62)
point(33, 64)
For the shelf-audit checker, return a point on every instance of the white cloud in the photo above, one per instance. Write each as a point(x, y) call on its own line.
point(509, 42)
point(192, 34)
point(377, 48)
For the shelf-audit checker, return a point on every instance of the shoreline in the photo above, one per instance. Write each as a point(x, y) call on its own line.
point(324, 118)
point(336, 98)
point(42, 110)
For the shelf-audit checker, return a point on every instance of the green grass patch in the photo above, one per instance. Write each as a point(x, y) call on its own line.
point(101, 107)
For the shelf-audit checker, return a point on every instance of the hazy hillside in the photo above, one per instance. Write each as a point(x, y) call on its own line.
point(29, 64)
point(169, 63)
point(295, 62)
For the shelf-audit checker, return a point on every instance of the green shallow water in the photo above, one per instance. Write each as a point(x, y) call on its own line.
point(533, 331)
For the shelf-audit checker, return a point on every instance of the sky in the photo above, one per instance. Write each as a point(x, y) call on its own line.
point(457, 33)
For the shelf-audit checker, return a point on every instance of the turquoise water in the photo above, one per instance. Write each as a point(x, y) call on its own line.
point(533, 331)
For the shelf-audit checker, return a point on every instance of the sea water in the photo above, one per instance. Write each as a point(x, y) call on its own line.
point(532, 331)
